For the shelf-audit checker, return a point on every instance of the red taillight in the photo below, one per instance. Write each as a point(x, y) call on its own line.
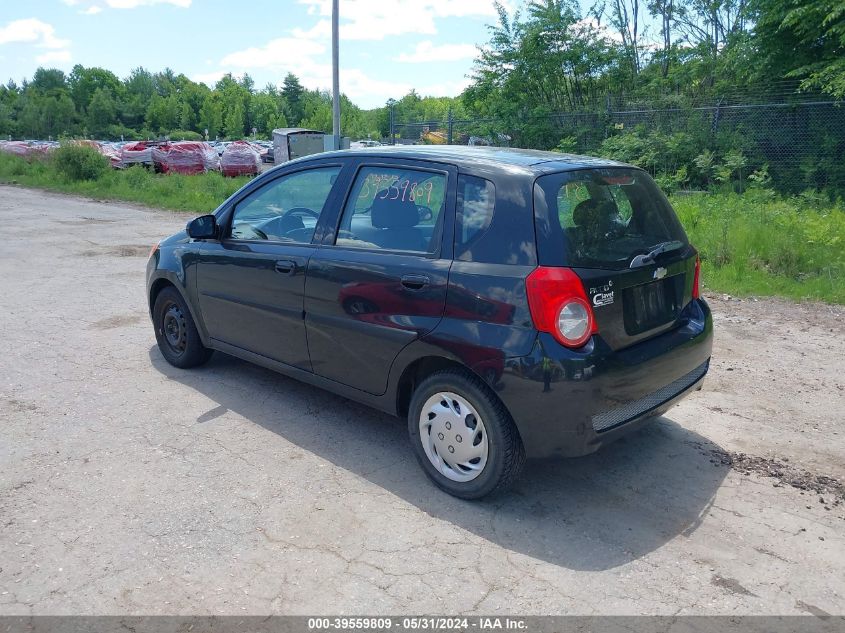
point(696, 280)
point(153, 249)
point(559, 305)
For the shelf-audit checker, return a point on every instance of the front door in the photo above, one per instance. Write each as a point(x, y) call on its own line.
point(250, 283)
point(379, 281)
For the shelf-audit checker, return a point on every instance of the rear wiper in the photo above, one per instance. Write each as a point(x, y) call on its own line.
point(648, 258)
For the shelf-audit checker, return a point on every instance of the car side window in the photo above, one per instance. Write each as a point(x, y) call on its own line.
point(394, 208)
point(476, 202)
point(286, 209)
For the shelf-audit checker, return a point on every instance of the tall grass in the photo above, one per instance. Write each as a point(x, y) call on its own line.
point(759, 243)
point(756, 243)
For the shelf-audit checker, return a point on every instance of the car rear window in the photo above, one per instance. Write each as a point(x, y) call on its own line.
point(601, 218)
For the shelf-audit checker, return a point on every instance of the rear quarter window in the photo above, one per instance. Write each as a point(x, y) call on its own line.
point(494, 221)
point(476, 205)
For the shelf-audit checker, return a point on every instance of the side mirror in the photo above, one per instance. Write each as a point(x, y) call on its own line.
point(202, 228)
point(425, 214)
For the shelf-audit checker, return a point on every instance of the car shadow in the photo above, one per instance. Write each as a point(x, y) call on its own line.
point(590, 513)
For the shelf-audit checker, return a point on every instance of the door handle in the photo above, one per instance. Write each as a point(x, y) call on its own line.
point(415, 282)
point(286, 267)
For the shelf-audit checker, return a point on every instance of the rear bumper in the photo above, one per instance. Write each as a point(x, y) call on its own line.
point(567, 403)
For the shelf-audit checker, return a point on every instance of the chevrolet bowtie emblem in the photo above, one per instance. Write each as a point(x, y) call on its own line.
point(659, 273)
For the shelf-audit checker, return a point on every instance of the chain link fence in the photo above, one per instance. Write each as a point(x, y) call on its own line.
point(795, 144)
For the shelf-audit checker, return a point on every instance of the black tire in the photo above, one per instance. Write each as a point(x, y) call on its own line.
point(506, 455)
point(176, 332)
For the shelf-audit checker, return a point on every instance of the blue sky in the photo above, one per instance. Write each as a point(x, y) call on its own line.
point(387, 46)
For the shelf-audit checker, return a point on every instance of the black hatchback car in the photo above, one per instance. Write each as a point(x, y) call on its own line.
point(507, 302)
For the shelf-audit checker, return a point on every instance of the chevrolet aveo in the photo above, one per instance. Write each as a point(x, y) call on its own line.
point(508, 303)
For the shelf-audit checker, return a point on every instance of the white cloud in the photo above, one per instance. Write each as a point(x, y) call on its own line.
point(131, 4)
point(365, 90)
point(427, 51)
point(54, 57)
point(287, 52)
point(377, 19)
point(310, 61)
point(92, 8)
point(31, 31)
point(209, 79)
point(444, 88)
point(305, 51)
point(321, 30)
point(591, 24)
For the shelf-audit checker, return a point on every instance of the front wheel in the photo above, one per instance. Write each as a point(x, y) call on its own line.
point(176, 332)
point(463, 437)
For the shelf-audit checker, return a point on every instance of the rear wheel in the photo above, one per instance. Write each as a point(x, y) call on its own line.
point(463, 437)
point(176, 332)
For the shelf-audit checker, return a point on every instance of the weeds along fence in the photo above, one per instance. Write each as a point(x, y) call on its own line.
point(794, 145)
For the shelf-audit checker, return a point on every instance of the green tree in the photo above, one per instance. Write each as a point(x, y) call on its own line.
point(234, 123)
point(138, 90)
point(625, 18)
point(211, 116)
point(163, 114)
point(43, 116)
point(550, 61)
point(83, 83)
point(46, 108)
point(293, 92)
point(187, 117)
point(165, 82)
point(48, 81)
point(319, 118)
point(102, 113)
point(267, 112)
point(804, 39)
point(9, 97)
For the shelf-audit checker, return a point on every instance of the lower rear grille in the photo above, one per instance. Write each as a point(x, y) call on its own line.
point(609, 419)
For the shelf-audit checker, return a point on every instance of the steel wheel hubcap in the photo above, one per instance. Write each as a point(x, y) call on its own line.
point(174, 328)
point(453, 436)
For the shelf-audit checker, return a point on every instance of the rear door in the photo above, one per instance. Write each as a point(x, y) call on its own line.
point(250, 283)
point(379, 280)
point(603, 223)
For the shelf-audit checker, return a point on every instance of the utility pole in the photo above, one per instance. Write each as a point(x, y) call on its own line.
point(335, 75)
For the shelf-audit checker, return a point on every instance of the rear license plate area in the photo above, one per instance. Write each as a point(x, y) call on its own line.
point(651, 305)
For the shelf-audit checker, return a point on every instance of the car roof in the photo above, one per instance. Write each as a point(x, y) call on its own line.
point(528, 160)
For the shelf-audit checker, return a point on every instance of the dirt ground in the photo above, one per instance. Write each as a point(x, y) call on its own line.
point(131, 487)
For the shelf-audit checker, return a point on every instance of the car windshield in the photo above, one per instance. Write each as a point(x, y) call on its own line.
point(602, 218)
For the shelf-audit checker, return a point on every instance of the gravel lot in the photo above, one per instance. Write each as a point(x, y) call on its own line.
point(128, 486)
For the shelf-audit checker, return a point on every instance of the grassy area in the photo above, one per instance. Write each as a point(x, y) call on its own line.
point(759, 243)
point(756, 243)
point(197, 194)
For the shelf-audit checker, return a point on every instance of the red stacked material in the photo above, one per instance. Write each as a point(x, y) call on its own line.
point(23, 149)
point(18, 148)
point(185, 157)
point(113, 154)
point(241, 158)
point(106, 150)
point(136, 154)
